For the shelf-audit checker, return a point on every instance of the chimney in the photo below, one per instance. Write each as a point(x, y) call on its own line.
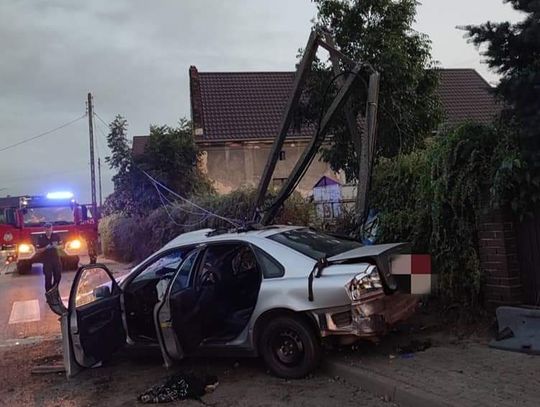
point(196, 102)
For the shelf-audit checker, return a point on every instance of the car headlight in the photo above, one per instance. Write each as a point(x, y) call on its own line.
point(364, 283)
point(25, 248)
point(74, 244)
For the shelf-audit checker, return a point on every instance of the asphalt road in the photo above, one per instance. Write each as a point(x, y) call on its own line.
point(24, 314)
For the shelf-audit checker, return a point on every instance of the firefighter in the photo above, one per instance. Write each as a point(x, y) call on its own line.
point(48, 247)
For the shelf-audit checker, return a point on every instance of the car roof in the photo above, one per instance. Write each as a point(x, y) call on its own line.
point(209, 235)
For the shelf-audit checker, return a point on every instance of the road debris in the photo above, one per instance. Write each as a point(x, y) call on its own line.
point(180, 387)
point(413, 347)
point(45, 369)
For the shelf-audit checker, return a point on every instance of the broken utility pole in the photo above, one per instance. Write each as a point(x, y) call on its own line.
point(363, 138)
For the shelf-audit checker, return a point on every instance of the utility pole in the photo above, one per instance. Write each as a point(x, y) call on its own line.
point(364, 141)
point(99, 182)
point(92, 162)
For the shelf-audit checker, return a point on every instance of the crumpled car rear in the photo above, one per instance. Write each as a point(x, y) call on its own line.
point(369, 318)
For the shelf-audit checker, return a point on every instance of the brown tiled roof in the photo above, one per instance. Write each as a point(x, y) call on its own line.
point(466, 96)
point(243, 105)
point(249, 105)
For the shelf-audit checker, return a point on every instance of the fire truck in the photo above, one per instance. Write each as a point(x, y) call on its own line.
point(23, 220)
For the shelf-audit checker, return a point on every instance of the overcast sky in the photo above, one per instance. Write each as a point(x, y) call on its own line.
point(134, 55)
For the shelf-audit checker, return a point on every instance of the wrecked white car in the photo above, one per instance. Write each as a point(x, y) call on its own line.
point(276, 292)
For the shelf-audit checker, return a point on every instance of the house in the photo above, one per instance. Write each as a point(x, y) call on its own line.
point(236, 116)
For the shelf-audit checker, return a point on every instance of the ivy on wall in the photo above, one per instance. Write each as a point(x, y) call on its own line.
point(431, 198)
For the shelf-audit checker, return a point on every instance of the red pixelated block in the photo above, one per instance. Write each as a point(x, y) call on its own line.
point(421, 264)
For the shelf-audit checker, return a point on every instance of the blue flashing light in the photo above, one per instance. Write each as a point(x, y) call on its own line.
point(60, 195)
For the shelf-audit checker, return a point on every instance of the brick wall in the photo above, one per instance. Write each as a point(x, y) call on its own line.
point(499, 258)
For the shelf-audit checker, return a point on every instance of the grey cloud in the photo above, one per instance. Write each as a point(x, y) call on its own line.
point(134, 56)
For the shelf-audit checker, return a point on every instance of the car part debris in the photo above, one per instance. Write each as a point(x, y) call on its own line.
point(519, 330)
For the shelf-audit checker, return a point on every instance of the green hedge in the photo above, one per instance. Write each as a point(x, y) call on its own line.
point(432, 196)
point(129, 239)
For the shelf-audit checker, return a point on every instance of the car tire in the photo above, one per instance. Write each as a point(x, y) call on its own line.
point(289, 347)
point(24, 267)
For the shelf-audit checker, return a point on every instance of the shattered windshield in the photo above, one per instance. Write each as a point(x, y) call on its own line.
point(62, 215)
point(313, 243)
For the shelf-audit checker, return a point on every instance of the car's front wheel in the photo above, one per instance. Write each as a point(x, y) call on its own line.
point(289, 347)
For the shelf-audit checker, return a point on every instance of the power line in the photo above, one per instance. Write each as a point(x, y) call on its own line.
point(162, 197)
point(42, 134)
point(100, 119)
point(179, 208)
point(153, 180)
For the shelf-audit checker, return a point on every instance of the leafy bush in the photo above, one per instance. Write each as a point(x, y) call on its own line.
point(431, 198)
point(134, 238)
point(120, 236)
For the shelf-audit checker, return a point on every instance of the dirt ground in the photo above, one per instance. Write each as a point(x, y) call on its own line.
point(242, 382)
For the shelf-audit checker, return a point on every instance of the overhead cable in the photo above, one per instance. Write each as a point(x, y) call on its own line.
point(42, 134)
point(190, 202)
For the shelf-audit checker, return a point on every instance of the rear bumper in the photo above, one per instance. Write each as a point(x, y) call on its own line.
point(369, 318)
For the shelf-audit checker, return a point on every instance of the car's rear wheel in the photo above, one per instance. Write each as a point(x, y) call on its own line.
point(289, 347)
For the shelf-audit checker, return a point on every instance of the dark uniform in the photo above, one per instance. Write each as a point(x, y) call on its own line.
point(52, 265)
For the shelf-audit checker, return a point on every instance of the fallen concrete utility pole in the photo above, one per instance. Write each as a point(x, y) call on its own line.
point(362, 135)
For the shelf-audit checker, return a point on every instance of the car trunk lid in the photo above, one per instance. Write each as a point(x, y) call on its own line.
point(379, 254)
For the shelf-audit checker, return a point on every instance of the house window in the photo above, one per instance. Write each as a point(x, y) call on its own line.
point(282, 155)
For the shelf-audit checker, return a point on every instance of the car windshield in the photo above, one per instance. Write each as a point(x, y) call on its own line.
point(313, 243)
point(62, 215)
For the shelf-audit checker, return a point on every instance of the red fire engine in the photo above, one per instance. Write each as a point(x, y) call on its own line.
point(22, 221)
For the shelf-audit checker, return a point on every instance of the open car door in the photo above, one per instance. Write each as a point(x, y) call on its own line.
point(93, 323)
point(177, 315)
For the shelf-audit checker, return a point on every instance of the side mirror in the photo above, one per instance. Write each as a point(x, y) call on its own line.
point(103, 291)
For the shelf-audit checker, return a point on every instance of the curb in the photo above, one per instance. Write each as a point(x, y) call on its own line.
point(390, 390)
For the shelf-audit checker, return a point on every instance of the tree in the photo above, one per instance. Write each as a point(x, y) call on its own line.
point(380, 32)
point(121, 200)
point(513, 51)
point(171, 156)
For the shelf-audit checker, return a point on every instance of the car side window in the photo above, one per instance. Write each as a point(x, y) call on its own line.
point(182, 279)
point(270, 266)
point(163, 267)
